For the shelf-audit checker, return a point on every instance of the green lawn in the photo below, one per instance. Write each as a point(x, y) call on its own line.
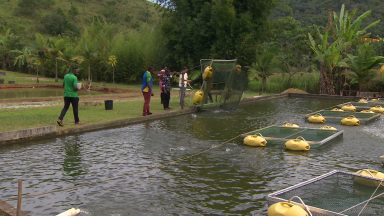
point(21, 118)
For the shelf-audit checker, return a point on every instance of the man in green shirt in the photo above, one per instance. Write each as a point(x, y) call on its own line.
point(70, 96)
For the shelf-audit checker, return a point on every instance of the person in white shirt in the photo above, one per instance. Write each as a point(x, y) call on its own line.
point(183, 82)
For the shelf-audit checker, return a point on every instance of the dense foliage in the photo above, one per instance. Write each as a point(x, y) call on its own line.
point(224, 29)
point(44, 36)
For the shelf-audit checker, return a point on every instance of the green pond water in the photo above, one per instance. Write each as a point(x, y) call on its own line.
point(135, 170)
point(37, 92)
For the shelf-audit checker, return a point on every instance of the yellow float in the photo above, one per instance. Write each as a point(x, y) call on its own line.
point(375, 99)
point(367, 111)
point(362, 100)
point(327, 127)
point(255, 140)
point(198, 97)
point(208, 72)
point(337, 110)
point(290, 125)
point(349, 107)
point(286, 209)
point(350, 121)
point(377, 109)
point(317, 118)
point(369, 173)
point(298, 144)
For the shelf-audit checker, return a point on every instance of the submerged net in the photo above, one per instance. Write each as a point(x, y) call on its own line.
point(338, 193)
point(225, 88)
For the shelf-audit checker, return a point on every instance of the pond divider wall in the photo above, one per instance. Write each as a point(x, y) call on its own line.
point(19, 136)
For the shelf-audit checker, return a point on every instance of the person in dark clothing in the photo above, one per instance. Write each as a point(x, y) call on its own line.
point(71, 96)
point(165, 86)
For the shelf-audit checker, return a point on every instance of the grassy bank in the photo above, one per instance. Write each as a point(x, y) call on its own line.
point(21, 118)
point(279, 82)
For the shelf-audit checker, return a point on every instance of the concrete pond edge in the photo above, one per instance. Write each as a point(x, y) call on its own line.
point(29, 134)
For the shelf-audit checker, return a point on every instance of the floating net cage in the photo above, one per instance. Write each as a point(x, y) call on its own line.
point(226, 86)
point(363, 106)
point(336, 193)
point(314, 136)
point(336, 116)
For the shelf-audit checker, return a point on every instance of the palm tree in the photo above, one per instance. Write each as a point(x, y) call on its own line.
point(56, 47)
point(112, 61)
point(23, 57)
point(362, 65)
point(263, 66)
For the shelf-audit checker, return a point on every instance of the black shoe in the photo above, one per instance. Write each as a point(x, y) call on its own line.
point(149, 113)
point(60, 122)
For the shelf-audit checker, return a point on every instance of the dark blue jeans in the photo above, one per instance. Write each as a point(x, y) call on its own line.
point(75, 106)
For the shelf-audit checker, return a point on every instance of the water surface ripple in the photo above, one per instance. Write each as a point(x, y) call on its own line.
point(135, 170)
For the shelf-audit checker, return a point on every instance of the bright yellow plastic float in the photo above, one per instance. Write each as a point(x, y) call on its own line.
point(377, 109)
point(369, 173)
point(349, 107)
point(208, 72)
point(290, 125)
point(363, 100)
point(255, 140)
point(317, 118)
point(350, 121)
point(286, 209)
point(198, 97)
point(298, 144)
point(337, 110)
point(367, 111)
point(327, 127)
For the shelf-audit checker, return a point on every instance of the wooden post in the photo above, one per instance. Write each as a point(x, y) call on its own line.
point(19, 196)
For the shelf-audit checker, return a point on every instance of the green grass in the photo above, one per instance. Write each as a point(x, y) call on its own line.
point(278, 82)
point(23, 78)
point(21, 118)
point(30, 79)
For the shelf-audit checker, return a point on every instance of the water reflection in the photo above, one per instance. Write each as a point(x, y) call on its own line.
point(72, 165)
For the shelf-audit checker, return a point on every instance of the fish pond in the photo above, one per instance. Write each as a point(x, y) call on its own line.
point(180, 166)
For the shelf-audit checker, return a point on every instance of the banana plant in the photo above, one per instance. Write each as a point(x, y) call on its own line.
point(362, 65)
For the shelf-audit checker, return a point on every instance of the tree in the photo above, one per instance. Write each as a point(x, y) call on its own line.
point(56, 23)
point(265, 62)
point(293, 52)
point(361, 65)
point(23, 58)
point(213, 29)
point(8, 42)
point(340, 36)
point(112, 61)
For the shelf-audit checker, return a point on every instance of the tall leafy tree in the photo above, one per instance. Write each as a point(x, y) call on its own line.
point(264, 64)
point(342, 34)
point(197, 29)
point(362, 65)
point(8, 42)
